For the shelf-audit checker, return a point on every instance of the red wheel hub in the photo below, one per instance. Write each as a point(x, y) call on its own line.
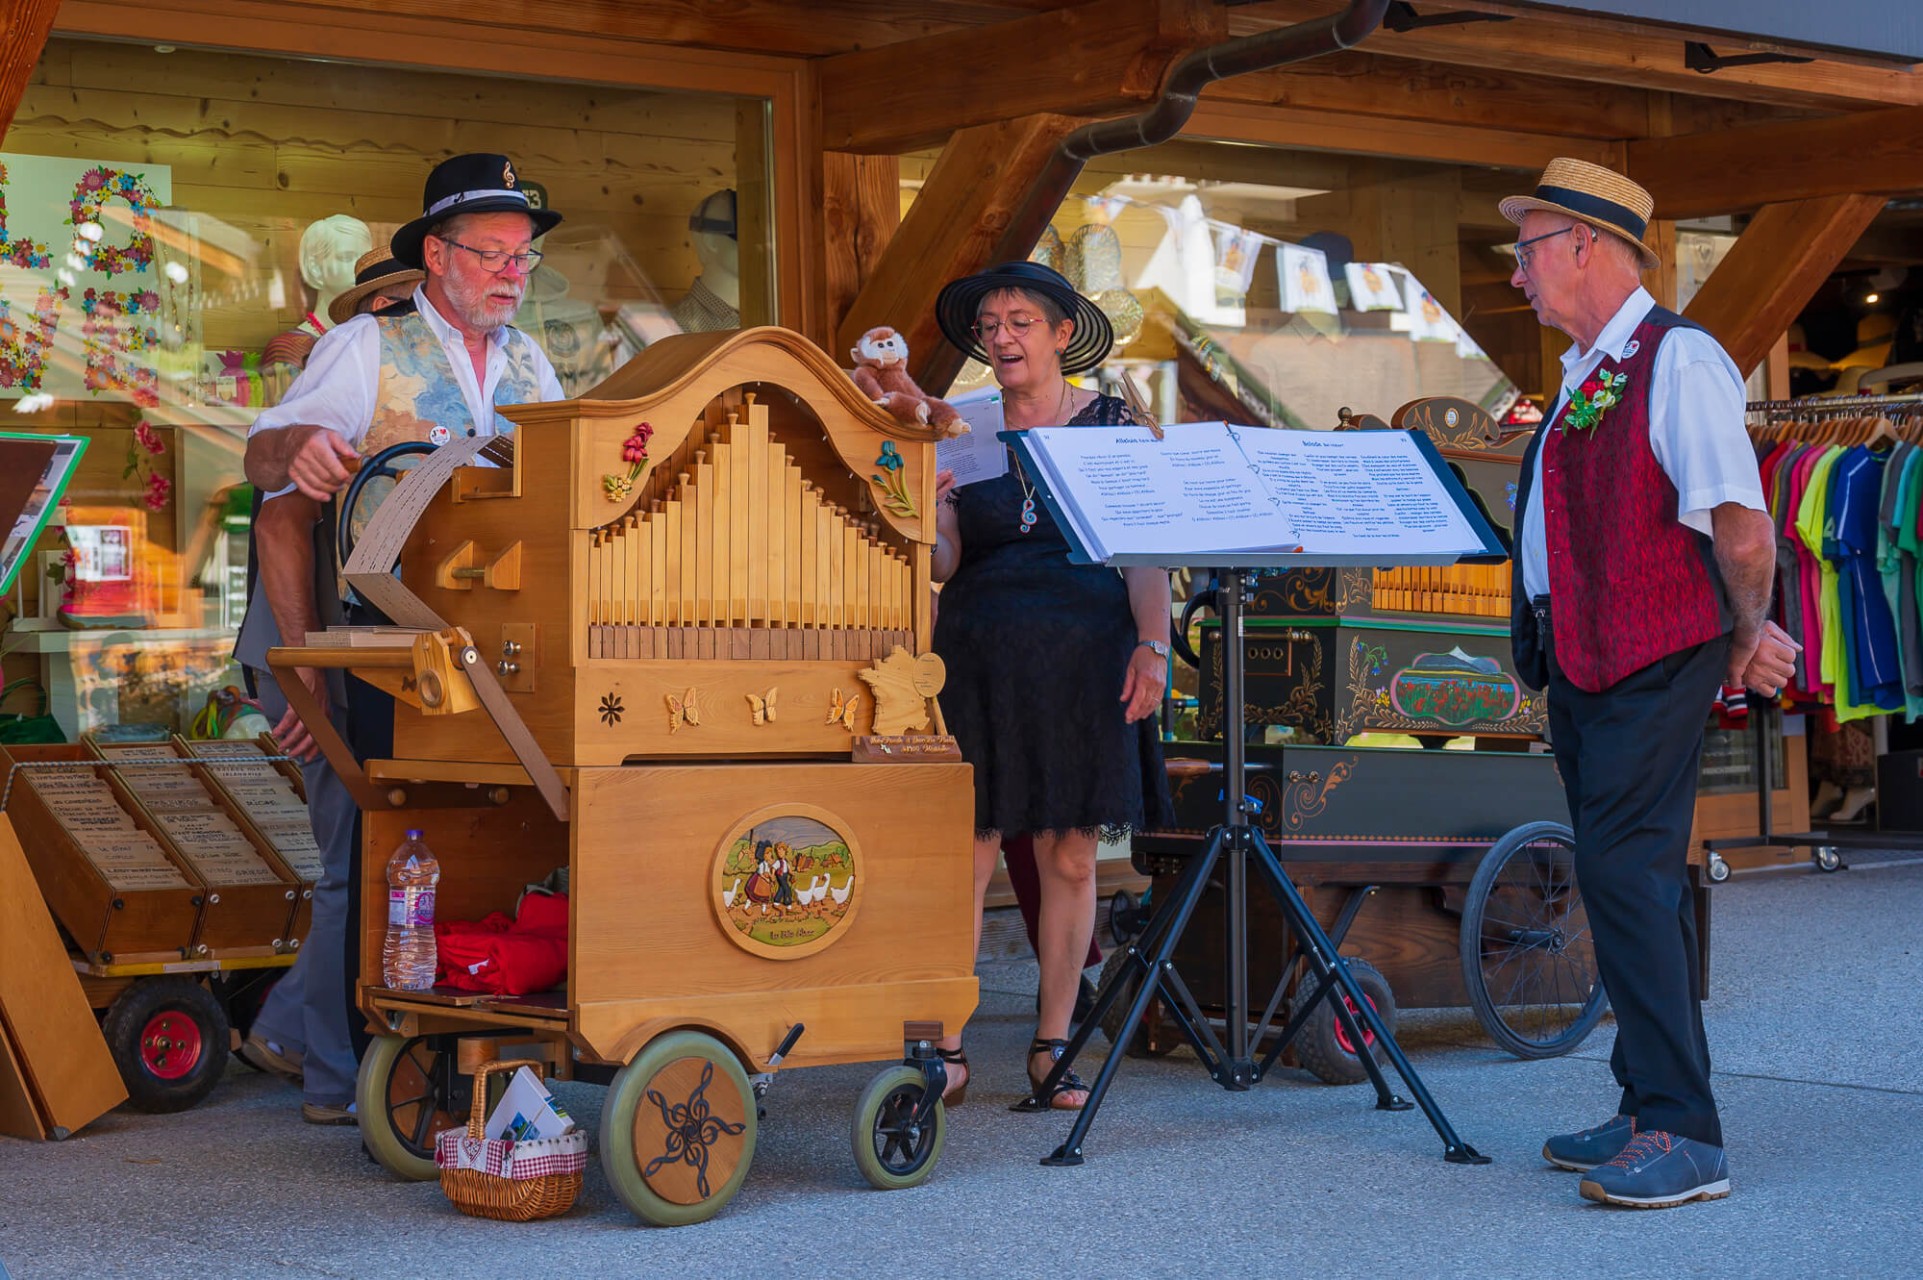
point(170, 1045)
point(1342, 1033)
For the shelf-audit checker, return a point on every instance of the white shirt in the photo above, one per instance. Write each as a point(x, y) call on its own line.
point(338, 387)
point(1695, 429)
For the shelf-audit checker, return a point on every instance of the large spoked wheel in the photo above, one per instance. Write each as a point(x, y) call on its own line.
point(1528, 957)
point(892, 1150)
point(678, 1130)
point(1323, 1046)
point(168, 1036)
point(405, 1098)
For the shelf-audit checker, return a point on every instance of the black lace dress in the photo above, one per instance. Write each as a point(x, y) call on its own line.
point(1037, 649)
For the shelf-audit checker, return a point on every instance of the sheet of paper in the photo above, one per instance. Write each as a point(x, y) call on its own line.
point(1353, 492)
point(1192, 491)
point(978, 455)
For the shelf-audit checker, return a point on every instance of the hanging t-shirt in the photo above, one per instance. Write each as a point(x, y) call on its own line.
point(1875, 680)
point(1810, 517)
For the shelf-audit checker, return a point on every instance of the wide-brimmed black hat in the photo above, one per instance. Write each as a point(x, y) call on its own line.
point(960, 300)
point(473, 183)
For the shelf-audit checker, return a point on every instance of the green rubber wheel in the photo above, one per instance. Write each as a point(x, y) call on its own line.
point(404, 1097)
point(891, 1150)
point(678, 1130)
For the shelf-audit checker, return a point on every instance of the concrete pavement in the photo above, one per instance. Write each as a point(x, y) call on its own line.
point(1815, 982)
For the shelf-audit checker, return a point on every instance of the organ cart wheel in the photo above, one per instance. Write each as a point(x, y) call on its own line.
point(1323, 1046)
point(678, 1129)
point(169, 1037)
point(404, 1098)
point(1717, 867)
point(1528, 958)
point(891, 1149)
point(1143, 1045)
point(1826, 858)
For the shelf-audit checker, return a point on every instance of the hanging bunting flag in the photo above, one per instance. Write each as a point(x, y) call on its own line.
point(1305, 280)
point(1372, 286)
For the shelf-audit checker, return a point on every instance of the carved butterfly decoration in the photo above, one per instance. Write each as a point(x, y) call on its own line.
point(762, 706)
point(683, 710)
point(843, 711)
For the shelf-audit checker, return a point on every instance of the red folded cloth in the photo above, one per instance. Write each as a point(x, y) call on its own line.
point(504, 955)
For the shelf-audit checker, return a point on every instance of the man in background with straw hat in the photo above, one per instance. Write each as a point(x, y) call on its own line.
point(1644, 557)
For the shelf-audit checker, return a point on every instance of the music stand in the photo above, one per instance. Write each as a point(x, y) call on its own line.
point(1149, 959)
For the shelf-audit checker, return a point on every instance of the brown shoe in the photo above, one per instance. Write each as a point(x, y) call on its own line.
point(315, 1113)
point(264, 1055)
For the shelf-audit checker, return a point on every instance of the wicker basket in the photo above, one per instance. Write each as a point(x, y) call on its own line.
point(500, 1178)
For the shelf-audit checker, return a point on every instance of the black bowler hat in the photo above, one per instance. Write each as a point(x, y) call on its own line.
point(473, 183)
point(960, 300)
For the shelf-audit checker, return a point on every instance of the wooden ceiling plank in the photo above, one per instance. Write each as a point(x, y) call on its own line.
point(24, 26)
point(1440, 141)
point(1775, 268)
point(1730, 170)
point(1624, 53)
point(1103, 58)
point(986, 200)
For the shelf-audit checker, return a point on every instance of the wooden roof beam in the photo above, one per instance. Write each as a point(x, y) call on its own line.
point(1581, 47)
point(1775, 268)
point(1731, 170)
point(24, 25)
point(1104, 58)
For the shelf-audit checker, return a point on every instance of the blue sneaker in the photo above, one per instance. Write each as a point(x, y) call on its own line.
point(1587, 1148)
point(1659, 1170)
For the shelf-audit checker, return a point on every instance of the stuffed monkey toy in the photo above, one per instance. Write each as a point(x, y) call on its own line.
point(881, 372)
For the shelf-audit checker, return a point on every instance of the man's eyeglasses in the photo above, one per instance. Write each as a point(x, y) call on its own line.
point(1017, 325)
point(1525, 255)
point(494, 261)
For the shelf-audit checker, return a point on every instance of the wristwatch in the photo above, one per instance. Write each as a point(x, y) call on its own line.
point(1158, 647)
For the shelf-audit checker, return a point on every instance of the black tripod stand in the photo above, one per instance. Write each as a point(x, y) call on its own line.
point(1150, 958)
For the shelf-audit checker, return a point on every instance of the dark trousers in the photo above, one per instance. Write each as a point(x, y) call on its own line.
point(1629, 758)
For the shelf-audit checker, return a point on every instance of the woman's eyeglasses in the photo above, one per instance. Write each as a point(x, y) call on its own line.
point(1017, 325)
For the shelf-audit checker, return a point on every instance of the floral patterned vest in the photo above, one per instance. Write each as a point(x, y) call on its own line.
point(418, 391)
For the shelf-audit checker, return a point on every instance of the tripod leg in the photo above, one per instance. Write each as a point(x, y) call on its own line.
point(1171, 918)
point(1322, 955)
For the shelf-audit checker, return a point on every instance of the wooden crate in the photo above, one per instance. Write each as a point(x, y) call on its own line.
point(107, 924)
point(305, 869)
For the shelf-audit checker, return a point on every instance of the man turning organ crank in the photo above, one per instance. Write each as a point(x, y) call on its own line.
point(432, 375)
point(1644, 557)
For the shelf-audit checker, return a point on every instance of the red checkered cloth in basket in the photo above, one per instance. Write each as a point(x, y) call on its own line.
point(505, 1158)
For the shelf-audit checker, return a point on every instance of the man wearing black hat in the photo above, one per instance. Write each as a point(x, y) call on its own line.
point(436, 372)
point(1644, 559)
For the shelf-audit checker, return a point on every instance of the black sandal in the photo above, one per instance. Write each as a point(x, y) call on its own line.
point(957, 1094)
point(1069, 1083)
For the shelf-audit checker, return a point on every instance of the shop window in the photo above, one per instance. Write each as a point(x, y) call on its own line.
point(174, 225)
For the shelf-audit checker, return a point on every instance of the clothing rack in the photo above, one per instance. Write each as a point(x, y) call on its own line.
point(1826, 846)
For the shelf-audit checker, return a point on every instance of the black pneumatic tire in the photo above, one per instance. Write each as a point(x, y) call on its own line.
point(1322, 1046)
point(169, 1038)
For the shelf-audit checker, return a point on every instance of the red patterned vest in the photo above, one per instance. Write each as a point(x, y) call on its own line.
point(1630, 583)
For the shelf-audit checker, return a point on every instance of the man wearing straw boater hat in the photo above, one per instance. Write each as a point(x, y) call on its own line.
point(430, 371)
point(1643, 562)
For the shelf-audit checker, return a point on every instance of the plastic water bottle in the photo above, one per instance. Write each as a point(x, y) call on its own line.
point(407, 959)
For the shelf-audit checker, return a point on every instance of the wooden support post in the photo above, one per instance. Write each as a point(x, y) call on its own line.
point(1773, 270)
point(24, 25)
point(1730, 170)
point(861, 207)
point(987, 199)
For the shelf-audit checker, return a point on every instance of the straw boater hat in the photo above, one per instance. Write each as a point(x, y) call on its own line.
point(959, 300)
point(473, 183)
point(1590, 193)
point(376, 270)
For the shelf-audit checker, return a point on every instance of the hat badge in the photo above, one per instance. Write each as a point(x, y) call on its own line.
point(507, 175)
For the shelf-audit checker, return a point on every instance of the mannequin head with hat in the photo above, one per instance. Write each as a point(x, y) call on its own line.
point(1580, 250)
point(328, 251)
point(475, 240)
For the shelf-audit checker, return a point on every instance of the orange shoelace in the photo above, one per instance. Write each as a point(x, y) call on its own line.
point(1645, 1144)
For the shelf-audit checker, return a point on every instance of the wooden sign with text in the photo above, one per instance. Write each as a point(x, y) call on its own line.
point(905, 748)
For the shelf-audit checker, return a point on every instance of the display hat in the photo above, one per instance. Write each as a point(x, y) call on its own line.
point(376, 270)
point(960, 300)
point(1590, 193)
point(472, 183)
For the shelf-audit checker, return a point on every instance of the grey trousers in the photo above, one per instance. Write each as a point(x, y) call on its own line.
point(307, 1011)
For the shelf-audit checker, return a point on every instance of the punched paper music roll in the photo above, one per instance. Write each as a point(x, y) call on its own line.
point(369, 570)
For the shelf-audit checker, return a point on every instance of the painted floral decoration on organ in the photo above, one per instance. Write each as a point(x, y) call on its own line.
point(893, 482)
point(634, 452)
point(1592, 399)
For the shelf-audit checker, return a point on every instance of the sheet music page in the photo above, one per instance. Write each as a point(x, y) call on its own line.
point(1193, 491)
point(978, 455)
point(1353, 492)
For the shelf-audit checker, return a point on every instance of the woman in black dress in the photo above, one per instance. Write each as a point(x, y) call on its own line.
point(1055, 670)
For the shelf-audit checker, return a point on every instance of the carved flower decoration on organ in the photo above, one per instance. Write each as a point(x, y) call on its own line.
point(634, 451)
point(893, 481)
point(1595, 397)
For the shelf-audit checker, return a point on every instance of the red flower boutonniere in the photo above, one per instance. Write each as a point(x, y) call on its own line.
point(1594, 398)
